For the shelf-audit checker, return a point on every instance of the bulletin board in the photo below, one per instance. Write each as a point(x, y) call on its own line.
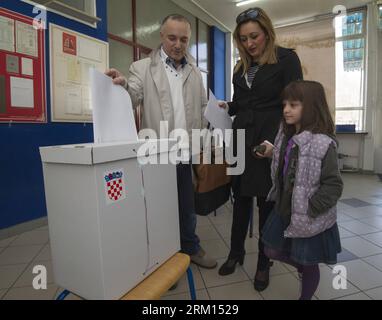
point(72, 54)
point(22, 69)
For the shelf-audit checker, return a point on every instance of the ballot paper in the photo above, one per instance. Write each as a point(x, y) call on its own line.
point(113, 116)
point(217, 117)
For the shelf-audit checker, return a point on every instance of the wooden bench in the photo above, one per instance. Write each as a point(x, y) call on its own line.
point(160, 281)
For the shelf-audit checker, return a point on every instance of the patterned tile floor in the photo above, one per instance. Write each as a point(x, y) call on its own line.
point(359, 219)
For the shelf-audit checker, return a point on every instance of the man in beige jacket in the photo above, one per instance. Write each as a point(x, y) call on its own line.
point(169, 86)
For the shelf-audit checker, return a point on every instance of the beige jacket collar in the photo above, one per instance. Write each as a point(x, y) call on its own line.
point(159, 76)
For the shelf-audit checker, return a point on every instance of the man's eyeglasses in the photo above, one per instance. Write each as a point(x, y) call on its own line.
point(247, 15)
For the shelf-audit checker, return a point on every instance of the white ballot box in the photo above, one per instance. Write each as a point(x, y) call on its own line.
point(112, 220)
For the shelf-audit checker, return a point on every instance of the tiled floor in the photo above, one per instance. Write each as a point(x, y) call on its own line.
point(359, 219)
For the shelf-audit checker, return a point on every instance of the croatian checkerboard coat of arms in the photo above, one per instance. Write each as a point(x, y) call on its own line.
point(115, 186)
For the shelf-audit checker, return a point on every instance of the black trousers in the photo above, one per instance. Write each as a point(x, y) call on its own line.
point(242, 208)
point(189, 241)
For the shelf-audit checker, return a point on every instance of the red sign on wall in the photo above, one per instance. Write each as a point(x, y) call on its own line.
point(22, 69)
point(69, 44)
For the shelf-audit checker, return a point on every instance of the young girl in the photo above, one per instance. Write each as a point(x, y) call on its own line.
point(302, 229)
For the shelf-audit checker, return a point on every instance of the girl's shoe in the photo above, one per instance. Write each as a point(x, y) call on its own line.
point(299, 275)
point(263, 283)
point(229, 266)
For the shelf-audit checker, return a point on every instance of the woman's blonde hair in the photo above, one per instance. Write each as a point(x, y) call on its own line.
point(270, 54)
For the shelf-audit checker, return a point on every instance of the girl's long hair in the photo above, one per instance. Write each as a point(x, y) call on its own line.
point(316, 116)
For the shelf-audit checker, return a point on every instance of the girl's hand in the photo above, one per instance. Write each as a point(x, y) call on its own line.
point(268, 153)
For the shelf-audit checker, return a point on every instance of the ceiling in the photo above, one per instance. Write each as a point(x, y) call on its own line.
point(281, 12)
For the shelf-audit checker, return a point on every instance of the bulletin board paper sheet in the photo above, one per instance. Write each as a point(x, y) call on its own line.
point(27, 67)
point(22, 93)
point(26, 39)
point(72, 56)
point(7, 39)
point(113, 117)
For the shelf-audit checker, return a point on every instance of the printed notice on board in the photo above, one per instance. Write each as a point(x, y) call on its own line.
point(7, 38)
point(12, 63)
point(72, 56)
point(27, 66)
point(73, 70)
point(89, 50)
point(22, 93)
point(86, 100)
point(69, 44)
point(26, 39)
point(73, 100)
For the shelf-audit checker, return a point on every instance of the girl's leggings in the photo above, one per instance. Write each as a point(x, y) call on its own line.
point(310, 274)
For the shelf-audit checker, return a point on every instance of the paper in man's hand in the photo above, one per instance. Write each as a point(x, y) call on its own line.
point(113, 116)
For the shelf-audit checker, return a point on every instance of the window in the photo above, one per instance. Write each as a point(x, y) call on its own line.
point(350, 69)
point(137, 24)
point(120, 28)
point(121, 55)
point(203, 52)
point(150, 14)
point(134, 30)
point(80, 10)
point(82, 5)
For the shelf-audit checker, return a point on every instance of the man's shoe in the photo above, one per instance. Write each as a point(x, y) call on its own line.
point(174, 286)
point(202, 260)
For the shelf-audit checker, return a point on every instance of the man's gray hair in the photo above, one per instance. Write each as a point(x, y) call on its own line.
point(176, 17)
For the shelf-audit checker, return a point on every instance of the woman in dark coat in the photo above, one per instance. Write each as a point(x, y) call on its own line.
point(264, 70)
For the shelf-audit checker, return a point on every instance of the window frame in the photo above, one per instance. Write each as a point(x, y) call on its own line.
point(203, 70)
point(89, 19)
point(363, 36)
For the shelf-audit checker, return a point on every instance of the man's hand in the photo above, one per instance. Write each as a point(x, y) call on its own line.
point(118, 77)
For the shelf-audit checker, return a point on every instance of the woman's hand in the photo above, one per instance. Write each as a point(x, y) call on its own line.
point(223, 105)
point(268, 153)
point(118, 77)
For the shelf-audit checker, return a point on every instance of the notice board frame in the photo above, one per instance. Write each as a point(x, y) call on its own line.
point(36, 113)
point(59, 85)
